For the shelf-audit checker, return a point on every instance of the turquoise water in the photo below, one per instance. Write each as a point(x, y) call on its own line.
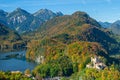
point(15, 61)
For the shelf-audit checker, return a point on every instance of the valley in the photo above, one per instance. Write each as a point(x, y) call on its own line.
point(69, 47)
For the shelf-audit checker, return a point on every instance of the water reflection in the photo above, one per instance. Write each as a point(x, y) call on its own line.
point(12, 61)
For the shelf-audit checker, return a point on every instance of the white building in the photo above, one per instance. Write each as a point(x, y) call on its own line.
point(96, 63)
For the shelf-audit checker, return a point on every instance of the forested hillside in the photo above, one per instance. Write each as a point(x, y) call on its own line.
point(64, 46)
point(9, 39)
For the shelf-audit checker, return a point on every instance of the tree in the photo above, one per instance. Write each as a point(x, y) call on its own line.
point(27, 71)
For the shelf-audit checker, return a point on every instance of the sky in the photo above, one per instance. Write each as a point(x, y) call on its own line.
point(101, 10)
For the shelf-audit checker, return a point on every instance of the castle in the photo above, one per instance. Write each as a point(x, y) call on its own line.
point(96, 63)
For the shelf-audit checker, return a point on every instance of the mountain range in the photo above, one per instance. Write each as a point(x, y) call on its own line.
point(23, 21)
point(105, 24)
point(65, 28)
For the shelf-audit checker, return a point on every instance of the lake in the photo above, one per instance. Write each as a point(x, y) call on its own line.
point(15, 61)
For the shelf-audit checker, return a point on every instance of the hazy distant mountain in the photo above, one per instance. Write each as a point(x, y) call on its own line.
point(7, 34)
point(105, 24)
point(115, 27)
point(3, 18)
point(23, 21)
point(10, 39)
point(59, 13)
point(46, 14)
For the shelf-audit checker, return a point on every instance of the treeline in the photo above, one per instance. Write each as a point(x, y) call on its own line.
point(13, 76)
point(11, 46)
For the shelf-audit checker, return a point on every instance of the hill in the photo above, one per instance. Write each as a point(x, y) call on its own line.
point(77, 27)
point(64, 45)
point(105, 24)
point(8, 34)
point(9, 39)
point(3, 18)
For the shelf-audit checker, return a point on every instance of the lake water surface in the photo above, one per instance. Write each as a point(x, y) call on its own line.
point(15, 61)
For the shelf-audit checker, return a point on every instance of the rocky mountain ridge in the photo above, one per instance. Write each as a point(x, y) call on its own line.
point(23, 21)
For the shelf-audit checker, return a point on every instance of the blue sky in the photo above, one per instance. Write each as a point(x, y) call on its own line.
point(101, 10)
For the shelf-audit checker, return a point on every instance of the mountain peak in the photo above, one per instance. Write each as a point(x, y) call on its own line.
point(46, 14)
point(115, 27)
point(105, 24)
point(2, 10)
point(117, 22)
point(83, 17)
point(42, 11)
point(20, 10)
point(59, 13)
point(79, 13)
